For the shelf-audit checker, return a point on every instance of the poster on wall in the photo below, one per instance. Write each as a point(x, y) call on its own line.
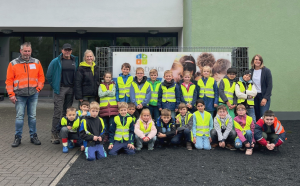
point(177, 62)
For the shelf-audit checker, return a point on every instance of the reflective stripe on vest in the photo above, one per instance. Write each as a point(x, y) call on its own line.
point(122, 132)
point(207, 89)
point(202, 126)
point(154, 93)
point(242, 89)
point(186, 119)
point(105, 100)
point(188, 95)
point(168, 94)
point(140, 95)
point(142, 128)
point(220, 123)
point(278, 127)
point(228, 91)
point(124, 89)
point(247, 126)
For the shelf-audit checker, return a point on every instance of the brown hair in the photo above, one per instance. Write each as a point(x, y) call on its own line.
point(205, 59)
point(269, 113)
point(94, 105)
point(182, 105)
point(139, 69)
point(126, 65)
point(152, 71)
point(176, 65)
point(221, 66)
point(166, 112)
point(189, 66)
point(221, 107)
point(107, 73)
point(85, 102)
point(130, 105)
point(168, 72)
point(241, 106)
point(260, 59)
point(71, 109)
point(122, 105)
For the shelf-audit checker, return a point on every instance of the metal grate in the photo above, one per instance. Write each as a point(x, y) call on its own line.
point(239, 55)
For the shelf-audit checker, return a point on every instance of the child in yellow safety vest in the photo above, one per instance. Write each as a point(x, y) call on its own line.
point(140, 90)
point(121, 132)
point(145, 130)
point(245, 92)
point(123, 84)
point(155, 85)
point(227, 95)
point(82, 113)
point(208, 90)
point(244, 127)
point(188, 91)
point(202, 125)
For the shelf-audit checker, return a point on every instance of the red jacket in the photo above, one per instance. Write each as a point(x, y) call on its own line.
point(276, 128)
point(24, 78)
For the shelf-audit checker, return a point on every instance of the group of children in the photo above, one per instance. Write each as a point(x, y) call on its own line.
point(129, 115)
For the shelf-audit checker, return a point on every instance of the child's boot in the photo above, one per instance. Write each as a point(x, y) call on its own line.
point(70, 144)
point(65, 149)
point(189, 146)
point(249, 152)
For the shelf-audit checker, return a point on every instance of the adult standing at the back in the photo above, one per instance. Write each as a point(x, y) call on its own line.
point(262, 79)
point(61, 75)
point(24, 80)
point(87, 79)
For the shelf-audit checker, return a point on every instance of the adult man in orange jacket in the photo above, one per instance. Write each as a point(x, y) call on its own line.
point(24, 80)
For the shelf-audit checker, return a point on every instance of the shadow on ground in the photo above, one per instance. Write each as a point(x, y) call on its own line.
point(177, 166)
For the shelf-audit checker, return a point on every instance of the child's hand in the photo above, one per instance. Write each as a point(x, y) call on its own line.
point(160, 109)
point(222, 144)
point(176, 110)
point(177, 121)
point(99, 138)
point(130, 146)
point(84, 113)
point(228, 104)
point(210, 140)
point(146, 139)
point(194, 140)
point(110, 147)
point(82, 148)
point(252, 145)
point(69, 127)
point(247, 144)
point(233, 106)
point(95, 138)
point(215, 105)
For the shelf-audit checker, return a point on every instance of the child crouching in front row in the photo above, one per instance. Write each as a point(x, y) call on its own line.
point(203, 123)
point(92, 130)
point(145, 130)
point(121, 132)
point(166, 128)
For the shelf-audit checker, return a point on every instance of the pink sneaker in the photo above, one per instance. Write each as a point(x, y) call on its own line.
point(249, 152)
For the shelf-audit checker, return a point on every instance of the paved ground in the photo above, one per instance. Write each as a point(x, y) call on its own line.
point(177, 166)
point(29, 164)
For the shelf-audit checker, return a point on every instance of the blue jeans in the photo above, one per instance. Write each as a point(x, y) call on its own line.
point(118, 146)
point(139, 142)
point(251, 113)
point(186, 134)
point(248, 136)
point(173, 113)
point(164, 130)
point(260, 110)
point(154, 112)
point(202, 142)
point(21, 103)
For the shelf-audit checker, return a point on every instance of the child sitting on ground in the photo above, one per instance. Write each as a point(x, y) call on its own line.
point(203, 123)
point(244, 127)
point(145, 130)
point(121, 132)
point(92, 130)
point(184, 124)
point(68, 132)
point(166, 128)
point(223, 134)
point(269, 132)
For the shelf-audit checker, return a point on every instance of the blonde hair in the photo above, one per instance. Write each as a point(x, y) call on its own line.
point(260, 59)
point(122, 105)
point(139, 69)
point(207, 67)
point(152, 71)
point(168, 72)
point(166, 112)
point(71, 109)
point(176, 65)
point(241, 106)
point(187, 72)
point(145, 110)
point(86, 52)
point(182, 105)
point(94, 105)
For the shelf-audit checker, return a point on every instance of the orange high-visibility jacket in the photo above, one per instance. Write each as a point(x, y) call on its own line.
point(24, 78)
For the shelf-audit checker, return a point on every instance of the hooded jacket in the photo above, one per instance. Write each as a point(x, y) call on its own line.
point(54, 72)
point(109, 110)
point(221, 90)
point(87, 81)
point(244, 95)
point(140, 86)
point(223, 136)
point(140, 134)
point(169, 105)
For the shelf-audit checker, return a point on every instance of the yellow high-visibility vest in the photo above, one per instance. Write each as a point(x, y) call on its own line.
point(124, 89)
point(154, 94)
point(168, 94)
point(105, 100)
point(122, 132)
point(202, 126)
point(188, 95)
point(140, 95)
point(228, 91)
point(207, 89)
point(242, 89)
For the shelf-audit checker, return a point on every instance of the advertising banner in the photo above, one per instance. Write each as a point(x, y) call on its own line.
point(177, 62)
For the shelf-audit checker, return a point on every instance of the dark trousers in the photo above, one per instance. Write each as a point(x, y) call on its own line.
point(230, 139)
point(95, 152)
point(65, 133)
point(108, 120)
point(184, 135)
point(271, 137)
point(154, 112)
point(62, 101)
point(118, 146)
point(260, 110)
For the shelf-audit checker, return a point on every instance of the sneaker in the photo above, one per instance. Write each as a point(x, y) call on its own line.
point(138, 148)
point(150, 148)
point(249, 152)
point(16, 142)
point(214, 145)
point(242, 149)
point(189, 146)
point(230, 147)
point(65, 149)
point(54, 138)
point(35, 140)
point(70, 144)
